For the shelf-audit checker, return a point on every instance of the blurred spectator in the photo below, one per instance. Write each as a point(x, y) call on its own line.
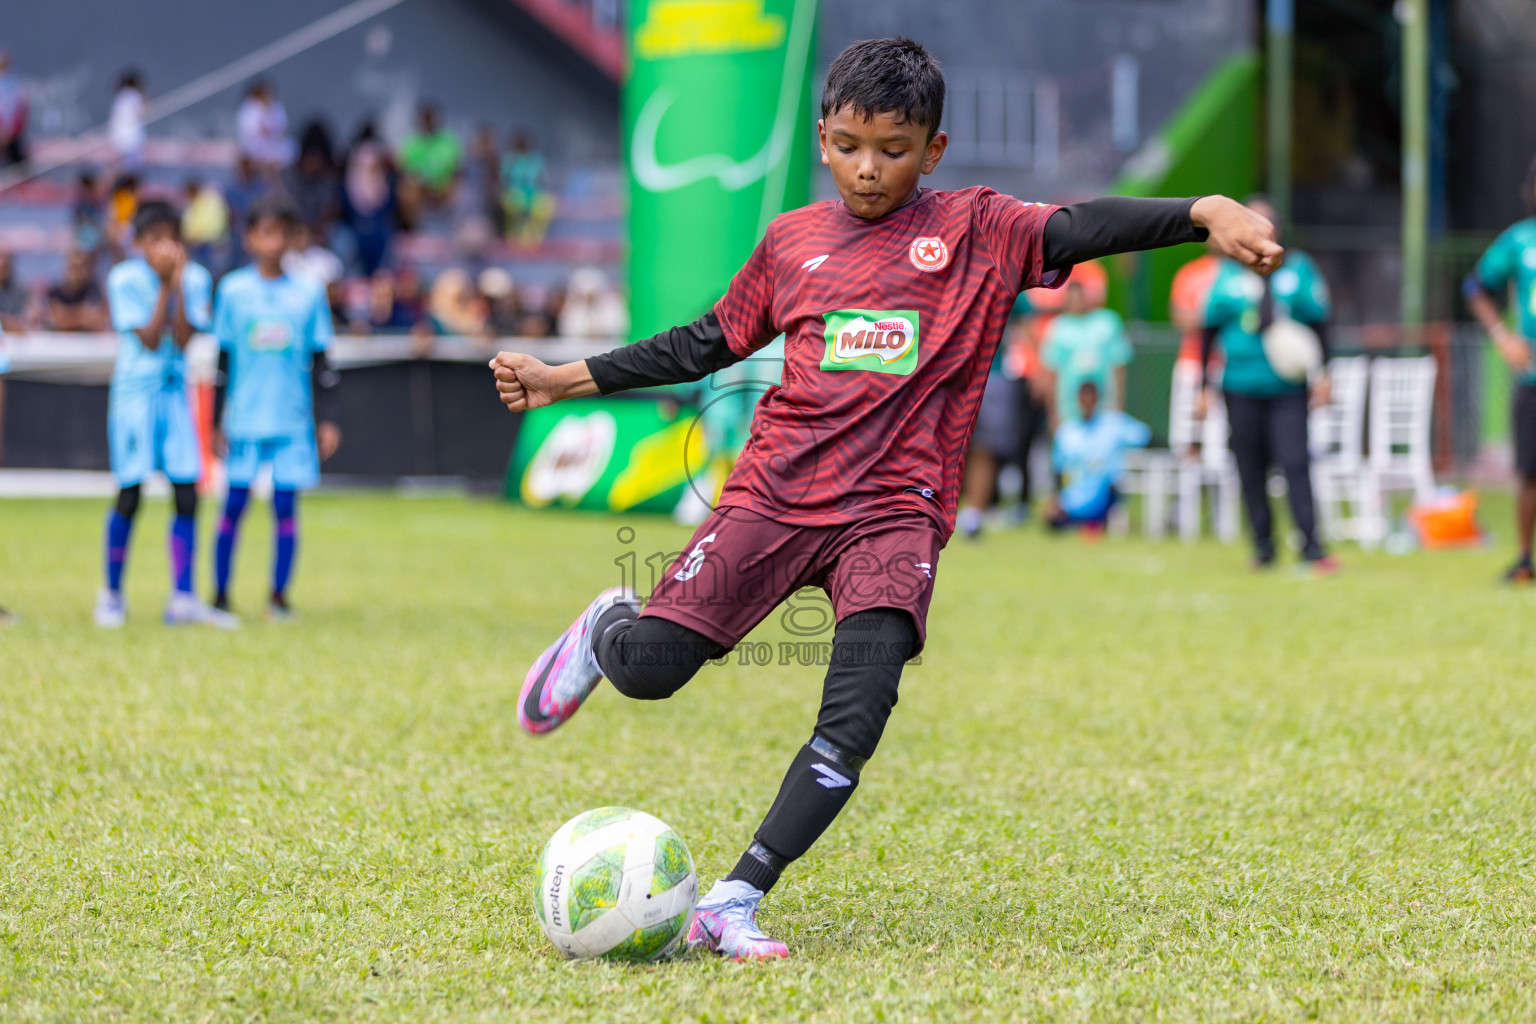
point(86, 216)
point(456, 306)
point(430, 160)
point(314, 179)
point(1085, 344)
point(205, 224)
point(393, 303)
point(368, 198)
point(592, 308)
point(13, 114)
point(243, 190)
point(261, 129)
point(1186, 302)
point(13, 297)
point(125, 125)
point(541, 312)
point(122, 204)
point(76, 303)
point(504, 312)
point(308, 258)
point(528, 203)
point(480, 193)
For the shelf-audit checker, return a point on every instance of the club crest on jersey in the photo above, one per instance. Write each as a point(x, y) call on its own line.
point(865, 339)
point(930, 255)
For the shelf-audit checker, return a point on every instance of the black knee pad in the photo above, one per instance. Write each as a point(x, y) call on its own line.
point(128, 502)
point(652, 658)
point(869, 650)
point(186, 499)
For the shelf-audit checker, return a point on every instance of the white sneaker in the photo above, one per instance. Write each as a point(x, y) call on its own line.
point(185, 609)
point(111, 609)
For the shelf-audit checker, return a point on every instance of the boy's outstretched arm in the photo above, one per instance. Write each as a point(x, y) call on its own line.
point(1113, 224)
point(677, 356)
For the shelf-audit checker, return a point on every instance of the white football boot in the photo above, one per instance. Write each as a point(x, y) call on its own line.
point(183, 609)
point(725, 922)
point(111, 610)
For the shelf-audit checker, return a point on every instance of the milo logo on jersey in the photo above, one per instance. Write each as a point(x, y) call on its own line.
point(271, 335)
point(864, 339)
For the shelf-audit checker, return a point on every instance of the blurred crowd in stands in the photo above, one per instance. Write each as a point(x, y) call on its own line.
point(357, 199)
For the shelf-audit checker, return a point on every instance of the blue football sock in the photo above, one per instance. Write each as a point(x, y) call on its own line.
point(119, 528)
point(229, 532)
point(285, 510)
point(183, 544)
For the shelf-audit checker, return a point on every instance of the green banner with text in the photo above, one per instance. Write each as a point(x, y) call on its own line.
point(718, 141)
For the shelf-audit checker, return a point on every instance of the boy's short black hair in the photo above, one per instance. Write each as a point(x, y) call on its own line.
point(278, 208)
point(154, 214)
point(886, 76)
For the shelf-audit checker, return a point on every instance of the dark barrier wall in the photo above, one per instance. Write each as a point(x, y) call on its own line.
point(397, 419)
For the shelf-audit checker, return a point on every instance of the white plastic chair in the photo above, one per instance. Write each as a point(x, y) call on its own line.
point(1150, 473)
point(1211, 465)
point(1336, 436)
point(1401, 404)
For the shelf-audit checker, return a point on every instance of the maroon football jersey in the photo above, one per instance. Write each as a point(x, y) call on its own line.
point(890, 328)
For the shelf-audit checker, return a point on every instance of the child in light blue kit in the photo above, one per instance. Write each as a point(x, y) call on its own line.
point(1089, 453)
point(274, 330)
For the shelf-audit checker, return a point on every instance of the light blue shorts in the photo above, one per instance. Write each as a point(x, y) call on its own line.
point(295, 461)
point(146, 433)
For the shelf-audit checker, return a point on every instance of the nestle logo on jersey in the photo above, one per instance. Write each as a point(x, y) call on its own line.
point(865, 339)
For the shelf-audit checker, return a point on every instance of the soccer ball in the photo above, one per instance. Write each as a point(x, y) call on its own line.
point(615, 883)
point(1292, 349)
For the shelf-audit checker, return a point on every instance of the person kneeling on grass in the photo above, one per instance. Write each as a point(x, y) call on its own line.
point(1089, 453)
point(892, 300)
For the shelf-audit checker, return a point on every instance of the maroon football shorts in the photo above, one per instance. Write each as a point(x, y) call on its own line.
point(741, 565)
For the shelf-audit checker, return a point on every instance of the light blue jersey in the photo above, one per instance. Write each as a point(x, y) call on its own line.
point(5, 360)
point(271, 328)
point(133, 288)
point(149, 413)
point(1090, 456)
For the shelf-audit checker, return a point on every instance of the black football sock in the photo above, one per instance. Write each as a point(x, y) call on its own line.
point(814, 792)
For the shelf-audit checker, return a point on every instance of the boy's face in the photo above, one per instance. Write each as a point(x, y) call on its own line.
point(876, 164)
point(1088, 400)
point(267, 240)
point(1076, 301)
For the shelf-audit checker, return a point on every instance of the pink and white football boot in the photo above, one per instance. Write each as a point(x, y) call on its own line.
point(725, 922)
point(566, 673)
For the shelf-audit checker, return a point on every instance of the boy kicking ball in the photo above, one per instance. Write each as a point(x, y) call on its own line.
point(891, 300)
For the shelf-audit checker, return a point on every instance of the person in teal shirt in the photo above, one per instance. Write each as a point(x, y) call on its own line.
point(1510, 263)
point(1266, 413)
point(1084, 344)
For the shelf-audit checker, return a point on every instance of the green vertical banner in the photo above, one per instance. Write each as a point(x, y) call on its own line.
point(718, 141)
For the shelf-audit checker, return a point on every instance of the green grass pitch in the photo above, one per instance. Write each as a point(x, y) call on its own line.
point(1129, 781)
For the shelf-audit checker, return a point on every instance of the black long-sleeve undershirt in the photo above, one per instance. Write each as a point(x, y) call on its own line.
point(1114, 224)
point(1073, 234)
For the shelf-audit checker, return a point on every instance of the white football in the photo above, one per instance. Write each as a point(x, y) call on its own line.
point(616, 883)
point(1292, 349)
